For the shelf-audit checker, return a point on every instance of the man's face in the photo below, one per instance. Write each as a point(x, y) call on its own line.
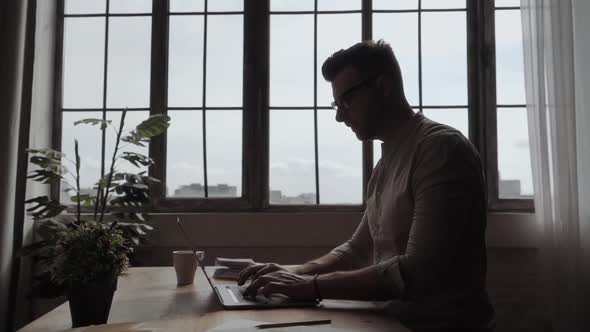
point(358, 104)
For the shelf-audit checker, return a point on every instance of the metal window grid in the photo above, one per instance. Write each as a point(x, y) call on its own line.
point(482, 123)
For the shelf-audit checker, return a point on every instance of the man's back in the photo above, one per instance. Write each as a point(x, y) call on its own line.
point(425, 222)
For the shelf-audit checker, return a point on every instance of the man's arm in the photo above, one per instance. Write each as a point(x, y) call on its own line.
point(448, 223)
point(354, 253)
point(443, 240)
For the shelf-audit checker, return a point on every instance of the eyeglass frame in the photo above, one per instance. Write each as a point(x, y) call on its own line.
point(344, 104)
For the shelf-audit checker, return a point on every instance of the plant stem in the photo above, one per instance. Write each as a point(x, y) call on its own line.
point(77, 179)
point(110, 178)
point(98, 191)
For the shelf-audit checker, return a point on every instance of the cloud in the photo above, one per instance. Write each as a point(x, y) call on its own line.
point(185, 166)
point(522, 144)
point(306, 167)
point(293, 168)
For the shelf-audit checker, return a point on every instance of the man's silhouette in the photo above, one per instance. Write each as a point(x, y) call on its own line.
point(420, 244)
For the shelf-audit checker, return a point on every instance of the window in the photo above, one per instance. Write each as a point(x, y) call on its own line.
point(432, 53)
point(252, 128)
point(106, 68)
point(514, 164)
point(313, 159)
point(205, 57)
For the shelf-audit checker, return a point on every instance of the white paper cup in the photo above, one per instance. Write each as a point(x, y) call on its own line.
point(185, 264)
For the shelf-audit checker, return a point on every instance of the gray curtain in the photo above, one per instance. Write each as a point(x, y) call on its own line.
point(13, 15)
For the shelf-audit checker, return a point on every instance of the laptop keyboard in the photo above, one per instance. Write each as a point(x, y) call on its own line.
point(236, 292)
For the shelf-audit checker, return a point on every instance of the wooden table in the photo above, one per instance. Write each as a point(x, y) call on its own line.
point(149, 300)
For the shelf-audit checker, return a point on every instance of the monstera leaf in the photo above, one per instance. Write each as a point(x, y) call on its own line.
point(133, 226)
point(86, 200)
point(93, 121)
point(49, 163)
point(45, 207)
point(153, 126)
point(49, 153)
point(44, 176)
point(137, 159)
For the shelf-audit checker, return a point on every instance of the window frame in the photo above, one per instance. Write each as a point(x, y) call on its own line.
point(481, 106)
point(486, 13)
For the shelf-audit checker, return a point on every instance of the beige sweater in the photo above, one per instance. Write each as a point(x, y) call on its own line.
point(424, 226)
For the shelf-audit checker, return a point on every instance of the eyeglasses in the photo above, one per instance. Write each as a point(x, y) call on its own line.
point(342, 102)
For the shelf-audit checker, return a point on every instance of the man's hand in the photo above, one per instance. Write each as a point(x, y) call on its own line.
point(295, 286)
point(256, 270)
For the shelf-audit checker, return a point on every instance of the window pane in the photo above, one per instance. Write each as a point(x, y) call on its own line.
point(132, 119)
point(129, 64)
point(292, 157)
point(443, 4)
point(507, 3)
point(335, 32)
point(395, 4)
point(376, 152)
point(185, 66)
point(130, 6)
point(224, 153)
point(85, 6)
point(83, 62)
point(509, 58)
point(340, 159)
point(89, 140)
point(225, 60)
point(187, 5)
point(454, 117)
point(444, 59)
point(514, 163)
point(291, 60)
point(339, 4)
point(291, 5)
point(184, 154)
point(405, 46)
point(226, 5)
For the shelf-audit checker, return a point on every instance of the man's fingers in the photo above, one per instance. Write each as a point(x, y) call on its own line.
point(265, 270)
point(248, 272)
point(274, 288)
point(286, 276)
point(255, 285)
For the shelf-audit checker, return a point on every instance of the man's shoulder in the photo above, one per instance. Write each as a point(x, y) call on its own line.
point(440, 140)
point(440, 135)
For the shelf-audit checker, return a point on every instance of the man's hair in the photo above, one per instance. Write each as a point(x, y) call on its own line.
point(370, 58)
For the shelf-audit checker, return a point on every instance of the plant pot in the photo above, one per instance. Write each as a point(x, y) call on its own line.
point(90, 304)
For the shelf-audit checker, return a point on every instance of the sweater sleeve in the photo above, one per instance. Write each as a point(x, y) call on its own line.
point(446, 185)
point(356, 252)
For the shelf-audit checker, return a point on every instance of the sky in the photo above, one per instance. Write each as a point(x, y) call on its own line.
point(292, 163)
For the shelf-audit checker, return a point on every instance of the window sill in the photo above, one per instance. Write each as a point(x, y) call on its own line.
point(309, 229)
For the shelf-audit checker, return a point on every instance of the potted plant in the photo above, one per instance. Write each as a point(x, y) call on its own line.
point(81, 251)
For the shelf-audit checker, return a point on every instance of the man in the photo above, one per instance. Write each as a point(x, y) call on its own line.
point(420, 244)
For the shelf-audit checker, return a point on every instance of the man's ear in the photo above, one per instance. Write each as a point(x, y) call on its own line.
point(385, 84)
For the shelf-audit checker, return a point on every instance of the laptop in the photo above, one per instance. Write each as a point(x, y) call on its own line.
point(230, 296)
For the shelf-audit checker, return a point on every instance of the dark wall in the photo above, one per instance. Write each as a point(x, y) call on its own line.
point(515, 286)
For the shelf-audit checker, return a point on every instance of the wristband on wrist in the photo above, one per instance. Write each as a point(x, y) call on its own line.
point(316, 288)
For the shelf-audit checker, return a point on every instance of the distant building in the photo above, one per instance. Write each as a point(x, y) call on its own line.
point(64, 197)
point(276, 197)
point(509, 189)
point(198, 190)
